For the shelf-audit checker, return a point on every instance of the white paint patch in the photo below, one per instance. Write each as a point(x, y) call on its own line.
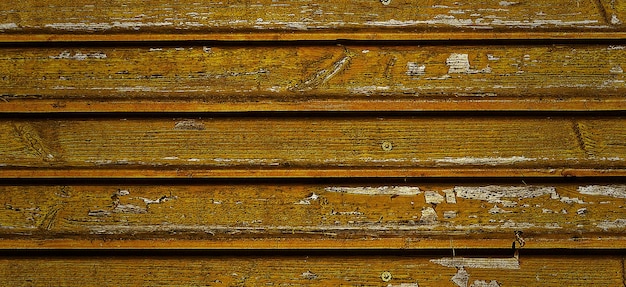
point(493, 161)
point(461, 278)
point(617, 191)
point(189, 125)
point(415, 69)
point(79, 56)
point(571, 200)
point(616, 224)
point(481, 283)
point(433, 197)
point(8, 26)
point(309, 275)
point(497, 193)
point(93, 27)
point(459, 64)
point(122, 192)
point(491, 57)
point(129, 208)
point(616, 47)
point(616, 70)
point(496, 210)
point(507, 3)
point(307, 200)
point(482, 263)
point(381, 190)
point(450, 196)
point(429, 215)
point(404, 285)
point(615, 20)
point(449, 214)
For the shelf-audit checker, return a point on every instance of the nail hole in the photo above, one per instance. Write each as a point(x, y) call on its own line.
point(386, 146)
point(386, 276)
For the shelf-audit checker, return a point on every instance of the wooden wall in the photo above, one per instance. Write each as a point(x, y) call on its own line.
point(326, 143)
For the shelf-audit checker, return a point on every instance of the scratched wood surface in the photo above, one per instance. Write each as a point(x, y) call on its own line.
point(302, 270)
point(312, 146)
point(349, 216)
point(312, 78)
point(62, 20)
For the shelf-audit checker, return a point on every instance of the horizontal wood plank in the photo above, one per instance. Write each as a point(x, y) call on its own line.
point(301, 216)
point(312, 146)
point(312, 78)
point(272, 20)
point(405, 271)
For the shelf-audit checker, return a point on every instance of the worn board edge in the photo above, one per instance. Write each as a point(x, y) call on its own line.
point(308, 36)
point(312, 270)
point(535, 243)
point(408, 172)
point(101, 105)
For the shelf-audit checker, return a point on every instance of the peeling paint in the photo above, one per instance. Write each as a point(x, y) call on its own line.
point(617, 69)
point(450, 196)
point(481, 283)
point(79, 56)
point(415, 69)
point(93, 27)
point(382, 190)
point(309, 275)
point(496, 210)
point(307, 200)
point(483, 263)
point(433, 197)
point(493, 161)
point(429, 216)
point(571, 200)
point(8, 26)
point(615, 224)
point(497, 194)
point(189, 125)
point(461, 277)
point(403, 285)
point(459, 64)
point(449, 214)
point(617, 191)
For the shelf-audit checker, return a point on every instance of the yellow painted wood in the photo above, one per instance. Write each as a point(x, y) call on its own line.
point(300, 215)
point(283, 77)
point(303, 270)
point(304, 146)
point(271, 20)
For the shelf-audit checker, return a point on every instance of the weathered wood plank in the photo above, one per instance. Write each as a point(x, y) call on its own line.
point(276, 19)
point(426, 216)
point(406, 271)
point(312, 78)
point(303, 146)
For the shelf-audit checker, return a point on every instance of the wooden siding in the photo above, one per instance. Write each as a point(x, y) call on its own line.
point(302, 143)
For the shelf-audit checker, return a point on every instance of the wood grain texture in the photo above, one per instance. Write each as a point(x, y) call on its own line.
point(313, 78)
point(262, 216)
point(407, 271)
point(304, 146)
point(273, 20)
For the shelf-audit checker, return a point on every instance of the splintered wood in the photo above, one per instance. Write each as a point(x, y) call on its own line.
point(396, 143)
